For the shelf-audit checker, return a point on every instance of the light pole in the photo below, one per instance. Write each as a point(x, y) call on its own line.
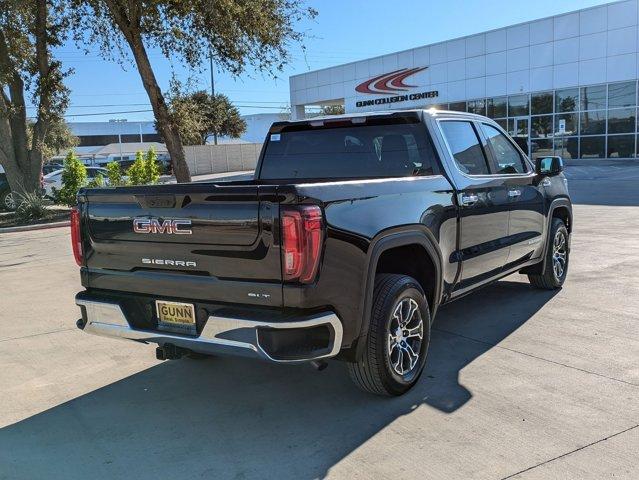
point(120, 121)
point(213, 92)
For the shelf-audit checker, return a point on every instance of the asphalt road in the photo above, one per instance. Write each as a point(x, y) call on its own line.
point(520, 383)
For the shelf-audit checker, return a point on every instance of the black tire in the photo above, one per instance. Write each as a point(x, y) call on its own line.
point(7, 202)
point(554, 276)
point(375, 372)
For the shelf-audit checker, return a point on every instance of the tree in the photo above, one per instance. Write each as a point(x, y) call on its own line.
point(114, 174)
point(199, 115)
point(235, 32)
point(29, 29)
point(145, 169)
point(59, 137)
point(151, 166)
point(136, 171)
point(74, 176)
point(332, 110)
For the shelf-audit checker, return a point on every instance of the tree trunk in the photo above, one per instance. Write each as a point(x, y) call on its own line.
point(42, 125)
point(166, 126)
point(22, 176)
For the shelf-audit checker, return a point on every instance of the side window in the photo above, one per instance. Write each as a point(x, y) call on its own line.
point(465, 147)
point(507, 158)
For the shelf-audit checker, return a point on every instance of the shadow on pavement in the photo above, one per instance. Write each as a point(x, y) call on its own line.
point(234, 418)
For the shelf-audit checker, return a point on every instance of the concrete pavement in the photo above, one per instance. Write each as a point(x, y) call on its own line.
point(520, 383)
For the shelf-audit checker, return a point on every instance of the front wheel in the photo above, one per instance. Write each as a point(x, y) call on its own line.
point(7, 201)
point(397, 341)
point(557, 256)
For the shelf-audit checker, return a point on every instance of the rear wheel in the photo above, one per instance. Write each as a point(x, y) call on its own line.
point(557, 256)
point(398, 336)
point(7, 201)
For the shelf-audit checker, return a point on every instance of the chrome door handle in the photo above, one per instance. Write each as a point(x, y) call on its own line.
point(514, 193)
point(468, 200)
point(546, 182)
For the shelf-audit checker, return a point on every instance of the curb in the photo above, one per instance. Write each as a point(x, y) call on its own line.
point(40, 226)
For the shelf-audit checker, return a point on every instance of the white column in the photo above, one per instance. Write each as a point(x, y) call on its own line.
point(298, 112)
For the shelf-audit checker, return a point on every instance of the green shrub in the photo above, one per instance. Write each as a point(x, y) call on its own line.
point(31, 206)
point(97, 182)
point(114, 174)
point(74, 176)
point(152, 166)
point(137, 171)
point(145, 170)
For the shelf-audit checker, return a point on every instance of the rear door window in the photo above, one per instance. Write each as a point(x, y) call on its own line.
point(465, 147)
point(507, 158)
point(349, 151)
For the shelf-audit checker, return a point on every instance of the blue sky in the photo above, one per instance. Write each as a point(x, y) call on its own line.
point(344, 31)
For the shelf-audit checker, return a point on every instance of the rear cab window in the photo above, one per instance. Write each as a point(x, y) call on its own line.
point(374, 148)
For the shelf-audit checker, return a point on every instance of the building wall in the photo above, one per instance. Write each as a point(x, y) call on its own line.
point(257, 125)
point(95, 134)
point(203, 159)
point(590, 46)
point(595, 47)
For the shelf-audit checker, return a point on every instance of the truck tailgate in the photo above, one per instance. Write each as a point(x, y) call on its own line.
point(215, 241)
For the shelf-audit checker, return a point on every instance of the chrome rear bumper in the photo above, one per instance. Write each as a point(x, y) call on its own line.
point(220, 335)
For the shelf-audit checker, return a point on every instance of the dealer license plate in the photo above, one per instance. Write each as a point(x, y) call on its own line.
point(176, 317)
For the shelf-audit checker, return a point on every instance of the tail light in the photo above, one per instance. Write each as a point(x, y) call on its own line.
point(301, 242)
point(76, 240)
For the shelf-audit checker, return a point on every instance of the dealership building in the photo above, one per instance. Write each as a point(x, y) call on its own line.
point(565, 84)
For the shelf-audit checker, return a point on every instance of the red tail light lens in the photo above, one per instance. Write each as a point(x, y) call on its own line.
point(76, 241)
point(301, 242)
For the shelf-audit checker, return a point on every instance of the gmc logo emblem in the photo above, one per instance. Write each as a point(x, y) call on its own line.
point(177, 226)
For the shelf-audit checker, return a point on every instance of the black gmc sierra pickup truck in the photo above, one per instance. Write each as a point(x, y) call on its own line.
point(354, 230)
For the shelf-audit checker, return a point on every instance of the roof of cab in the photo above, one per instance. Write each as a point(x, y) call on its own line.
point(432, 112)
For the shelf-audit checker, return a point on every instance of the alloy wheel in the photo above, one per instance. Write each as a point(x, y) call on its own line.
point(559, 254)
point(9, 202)
point(405, 337)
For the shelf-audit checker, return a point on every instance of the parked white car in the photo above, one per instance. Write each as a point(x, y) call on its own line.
point(54, 179)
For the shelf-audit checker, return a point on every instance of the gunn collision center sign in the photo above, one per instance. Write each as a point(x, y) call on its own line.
point(392, 82)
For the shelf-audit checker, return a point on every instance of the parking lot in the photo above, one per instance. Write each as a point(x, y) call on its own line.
point(520, 383)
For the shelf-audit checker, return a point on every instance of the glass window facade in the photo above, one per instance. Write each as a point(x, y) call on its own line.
point(477, 106)
point(518, 106)
point(593, 147)
point(622, 120)
point(622, 94)
point(593, 98)
point(621, 146)
point(457, 106)
point(593, 121)
point(541, 102)
point(496, 107)
point(567, 100)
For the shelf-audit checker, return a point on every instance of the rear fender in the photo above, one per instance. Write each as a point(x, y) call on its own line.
point(392, 239)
